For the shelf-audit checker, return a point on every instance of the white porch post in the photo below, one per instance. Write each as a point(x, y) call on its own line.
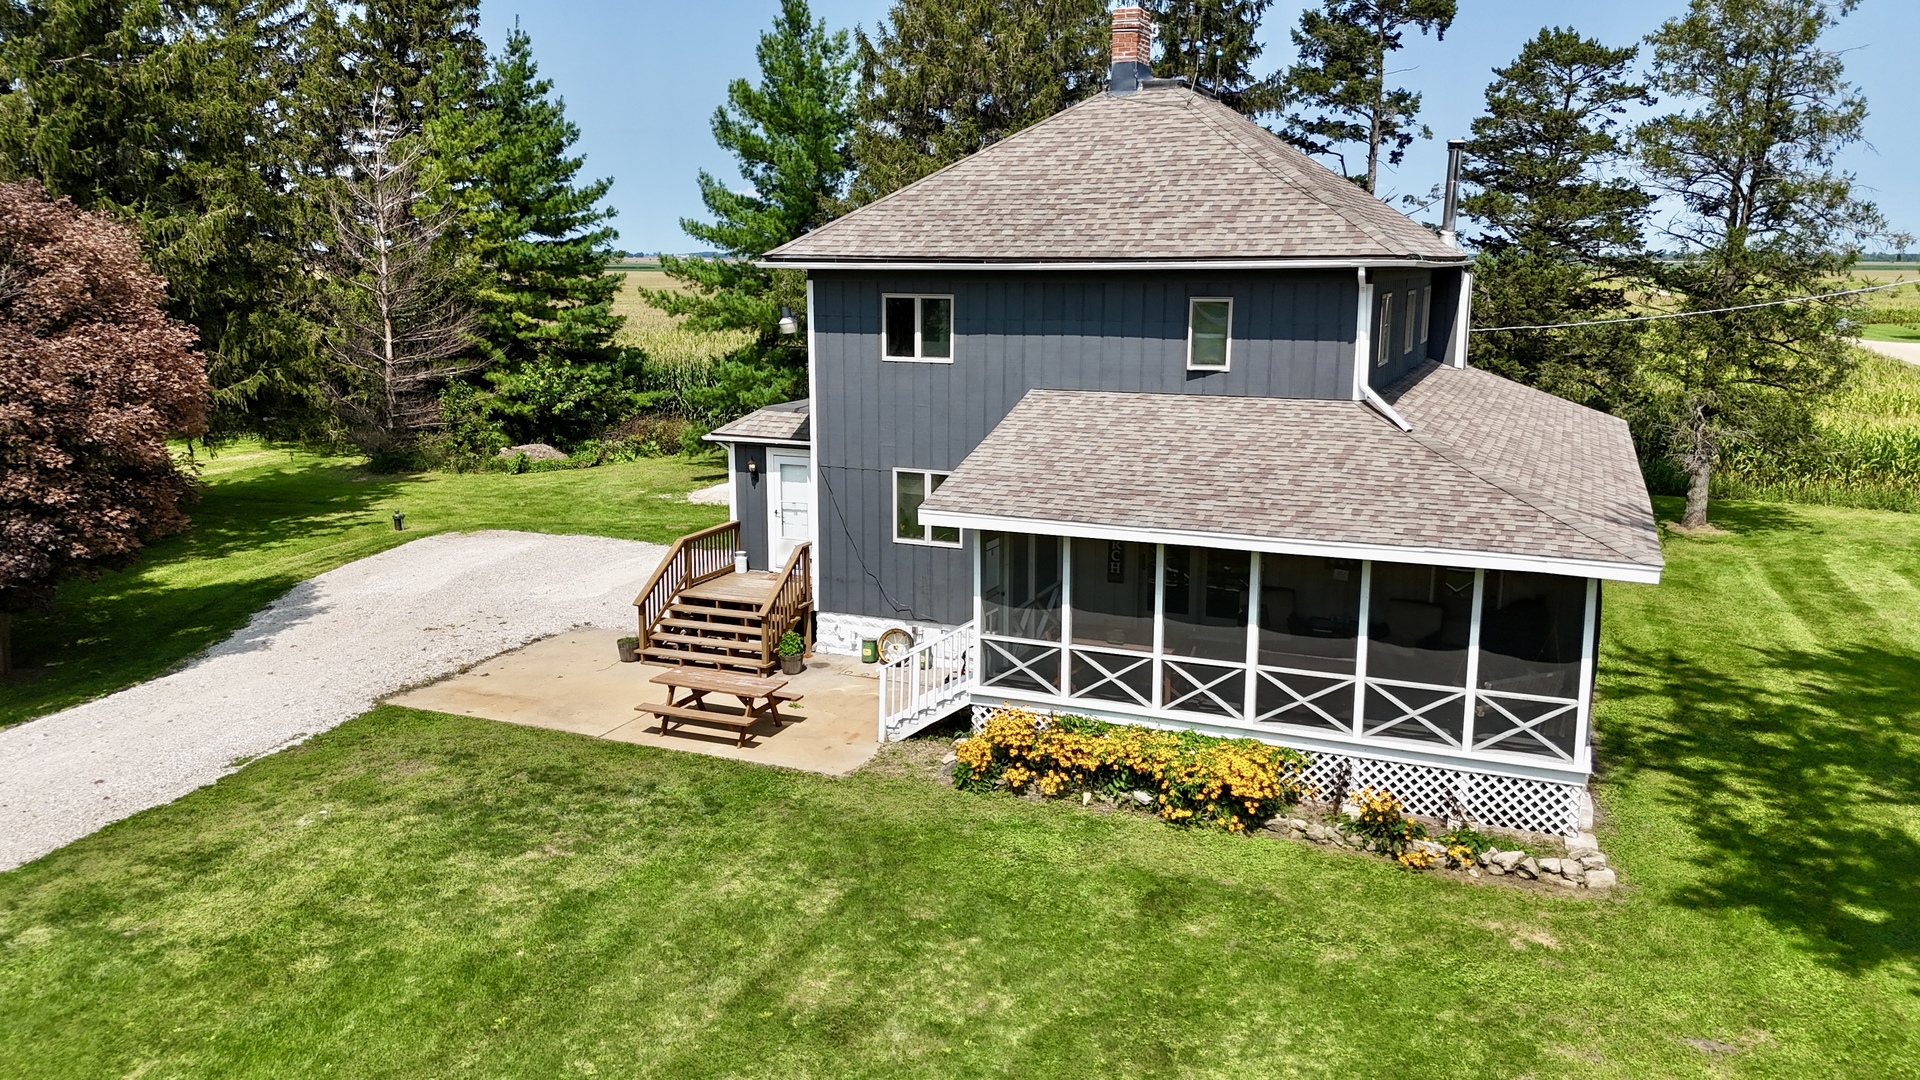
point(1589, 644)
point(1253, 634)
point(977, 652)
point(1066, 614)
point(1159, 618)
point(1360, 650)
point(1473, 657)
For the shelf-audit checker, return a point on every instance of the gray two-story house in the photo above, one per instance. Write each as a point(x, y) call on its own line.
point(1143, 414)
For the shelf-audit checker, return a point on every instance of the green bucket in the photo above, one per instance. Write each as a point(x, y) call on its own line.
point(869, 650)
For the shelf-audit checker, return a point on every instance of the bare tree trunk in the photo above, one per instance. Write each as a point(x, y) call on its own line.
point(1699, 473)
point(6, 644)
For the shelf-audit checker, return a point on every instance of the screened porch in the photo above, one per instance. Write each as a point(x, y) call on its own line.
point(1449, 662)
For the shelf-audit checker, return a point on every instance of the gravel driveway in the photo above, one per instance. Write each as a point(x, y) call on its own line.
point(1899, 350)
point(320, 655)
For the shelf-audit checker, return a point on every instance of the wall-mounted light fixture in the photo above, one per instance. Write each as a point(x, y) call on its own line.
point(753, 468)
point(789, 325)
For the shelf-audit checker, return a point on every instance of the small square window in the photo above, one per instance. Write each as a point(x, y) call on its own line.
point(1384, 335)
point(917, 328)
point(911, 488)
point(1209, 333)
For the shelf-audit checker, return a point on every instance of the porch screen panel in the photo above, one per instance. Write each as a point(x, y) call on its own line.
point(1112, 604)
point(1207, 605)
point(1020, 586)
point(1532, 629)
point(1309, 623)
point(1020, 602)
point(1419, 623)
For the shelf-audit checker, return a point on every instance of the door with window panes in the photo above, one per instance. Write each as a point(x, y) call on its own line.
point(789, 504)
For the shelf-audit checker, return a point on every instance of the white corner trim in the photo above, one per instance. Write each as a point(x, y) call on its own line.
point(733, 487)
point(1416, 555)
point(1463, 319)
point(1362, 336)
point(1380, 406)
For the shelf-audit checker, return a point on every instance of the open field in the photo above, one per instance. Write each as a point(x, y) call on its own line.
point(660, 334)
point(418, 894)
point(271, 517)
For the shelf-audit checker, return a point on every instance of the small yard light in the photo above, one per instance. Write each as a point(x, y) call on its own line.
point(789, 325)
point(399, 521)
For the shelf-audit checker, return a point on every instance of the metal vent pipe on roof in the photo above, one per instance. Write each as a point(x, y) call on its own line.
point(1455, 147)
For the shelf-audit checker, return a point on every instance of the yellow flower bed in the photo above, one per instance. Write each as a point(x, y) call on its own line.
point(1194, 778)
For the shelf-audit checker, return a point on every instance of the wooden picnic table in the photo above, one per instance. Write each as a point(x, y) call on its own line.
point(758, 697)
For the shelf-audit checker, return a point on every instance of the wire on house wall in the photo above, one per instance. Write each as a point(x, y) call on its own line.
point(854, 546)
point(1691, 314)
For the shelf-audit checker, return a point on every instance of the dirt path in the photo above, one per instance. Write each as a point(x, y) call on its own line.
point(1899, 350)
point(320, 655)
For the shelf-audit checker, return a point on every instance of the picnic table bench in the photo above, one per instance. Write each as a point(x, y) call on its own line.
point(758, 697)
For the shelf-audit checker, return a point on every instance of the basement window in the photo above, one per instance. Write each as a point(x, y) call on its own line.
point(917, 328)
point(911, 488)
point(1209, 333)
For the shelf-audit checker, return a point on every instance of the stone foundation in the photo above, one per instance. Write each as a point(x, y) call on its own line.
point(837, 633)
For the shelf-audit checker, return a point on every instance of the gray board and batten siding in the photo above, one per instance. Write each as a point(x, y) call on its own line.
point(750, 501)
point(1014, 331)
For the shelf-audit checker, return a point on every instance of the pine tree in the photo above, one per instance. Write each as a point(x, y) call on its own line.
point(1562, 228)
point(538, 242)
point(1213, 45)
point(1337, 92)
point(170, 115)
point(1763, 215)
point(945, 78)
point(790, 135)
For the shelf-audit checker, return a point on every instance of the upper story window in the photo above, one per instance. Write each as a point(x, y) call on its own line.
point(1426, 311)
point(1209, 333)
point(1413, 321)
point(1383, 335)
point(917, 328)
point(911, 488)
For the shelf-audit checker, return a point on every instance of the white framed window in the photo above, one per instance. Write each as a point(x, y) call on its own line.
point(1426, 312)
point(916, 327)
point(911, 488)
point(1209, 333)
point(1413, 321)
point(1383, 338)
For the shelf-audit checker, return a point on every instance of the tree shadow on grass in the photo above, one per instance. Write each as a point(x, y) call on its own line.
point(1794, 794)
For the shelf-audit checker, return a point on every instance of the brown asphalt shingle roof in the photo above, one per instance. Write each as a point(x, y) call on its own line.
point(785, 422)
point(1158, 174)
point(1490, 467)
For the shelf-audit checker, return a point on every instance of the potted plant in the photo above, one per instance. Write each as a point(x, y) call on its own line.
point(629, 649)
point(792, 649)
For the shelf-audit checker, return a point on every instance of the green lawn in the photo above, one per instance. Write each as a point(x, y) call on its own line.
point(423, 895)
point(1889, 332)
point(273, 517)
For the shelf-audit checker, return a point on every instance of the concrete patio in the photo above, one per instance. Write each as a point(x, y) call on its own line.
point(575, 682)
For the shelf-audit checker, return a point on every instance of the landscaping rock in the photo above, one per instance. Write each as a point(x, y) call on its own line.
point(1496, 870)
point(1595, 861)
point(1485, 857)
point(1602, 879)
point(536, 451)
point(1141, 797)
point(1550, 866)
point(1507, 860)
point(1317, 833)
point(1295, 824)
point(1582, 853)
point(1565, 883)
point(1528, 867)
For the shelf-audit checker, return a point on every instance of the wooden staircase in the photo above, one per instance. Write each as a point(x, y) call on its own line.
point(697, 612)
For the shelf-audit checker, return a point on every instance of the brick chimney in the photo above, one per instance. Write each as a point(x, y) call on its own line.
point(1132, 48)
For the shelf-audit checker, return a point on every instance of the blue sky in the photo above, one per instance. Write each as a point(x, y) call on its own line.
point(642, 77)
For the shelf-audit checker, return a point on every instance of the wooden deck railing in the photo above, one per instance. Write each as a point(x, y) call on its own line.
point(789, 605)
point(694, 558)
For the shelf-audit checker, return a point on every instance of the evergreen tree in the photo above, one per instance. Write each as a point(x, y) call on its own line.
point(1561, 227)
point(538, 241)
point(1337, 92)
point(945, 78)
point(1212, 43)
point(170, 115)
point(789, 134)
point(1762, 215)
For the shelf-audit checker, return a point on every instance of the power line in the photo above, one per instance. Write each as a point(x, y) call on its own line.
point(1691, 314)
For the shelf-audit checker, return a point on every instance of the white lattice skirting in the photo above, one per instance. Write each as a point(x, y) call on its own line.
point(1504, 802)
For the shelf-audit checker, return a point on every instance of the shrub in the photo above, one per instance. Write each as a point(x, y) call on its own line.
point(1196, 779)
point(792, 644)
point(1380, 816)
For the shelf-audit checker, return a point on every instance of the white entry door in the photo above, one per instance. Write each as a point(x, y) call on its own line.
point(789, 504)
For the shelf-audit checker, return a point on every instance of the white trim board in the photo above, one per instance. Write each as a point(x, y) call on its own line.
point(755, 440)
point(1419, 556)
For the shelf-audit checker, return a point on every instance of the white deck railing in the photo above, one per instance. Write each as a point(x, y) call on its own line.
point(927, 683)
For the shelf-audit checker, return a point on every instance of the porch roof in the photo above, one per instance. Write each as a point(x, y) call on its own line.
point(784, 424)
point(1493, 474)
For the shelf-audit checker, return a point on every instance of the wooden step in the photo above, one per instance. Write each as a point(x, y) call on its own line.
point(717, 644)
point(721, 661)
point(705, 626)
